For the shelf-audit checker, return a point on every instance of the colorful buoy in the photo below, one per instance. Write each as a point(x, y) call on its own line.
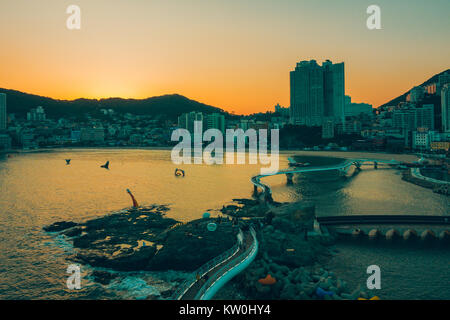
point(206, 215)
point(268, 280)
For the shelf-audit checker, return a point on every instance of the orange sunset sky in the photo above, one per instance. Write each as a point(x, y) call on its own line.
point(231, 54)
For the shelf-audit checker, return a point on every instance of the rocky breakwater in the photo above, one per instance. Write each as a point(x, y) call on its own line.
point(290, 258)
point(143, 239)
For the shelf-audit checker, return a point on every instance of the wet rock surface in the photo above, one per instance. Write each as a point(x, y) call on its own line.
point(144, 239)
point(59, 226)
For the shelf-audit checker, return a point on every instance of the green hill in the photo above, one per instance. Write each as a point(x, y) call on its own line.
point(167, 106)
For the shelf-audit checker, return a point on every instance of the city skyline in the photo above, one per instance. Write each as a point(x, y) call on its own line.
point(240, 63)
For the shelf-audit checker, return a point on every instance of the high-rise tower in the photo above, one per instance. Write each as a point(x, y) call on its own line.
point(317, 93)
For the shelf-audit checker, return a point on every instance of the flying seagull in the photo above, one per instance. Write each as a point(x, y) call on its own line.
point(106, 165)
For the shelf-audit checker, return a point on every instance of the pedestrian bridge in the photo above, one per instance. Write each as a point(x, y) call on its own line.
point(204, 283)
point(383, 219)
point(342, 167)
point(353, 225)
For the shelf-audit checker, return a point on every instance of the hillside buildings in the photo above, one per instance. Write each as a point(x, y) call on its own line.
point(352, 109)
point(36, 114)
point(209, 121)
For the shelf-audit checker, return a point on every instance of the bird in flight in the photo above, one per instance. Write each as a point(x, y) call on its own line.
point(106, 165)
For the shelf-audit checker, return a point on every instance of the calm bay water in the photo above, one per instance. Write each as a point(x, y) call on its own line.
point(39, 188)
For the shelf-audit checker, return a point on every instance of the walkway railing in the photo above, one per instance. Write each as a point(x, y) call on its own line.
point(224, 272)
point(256, 180)
point(204, 269)
point(383, 219)
point(415, 172)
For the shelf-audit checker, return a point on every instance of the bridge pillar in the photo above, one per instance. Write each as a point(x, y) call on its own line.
point(289, 177)
point(375, 165)
point(255, 190)
point(268, 197)
point(410, 235)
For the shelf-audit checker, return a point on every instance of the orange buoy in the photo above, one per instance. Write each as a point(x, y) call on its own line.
point(268, 280)
point(135, 204)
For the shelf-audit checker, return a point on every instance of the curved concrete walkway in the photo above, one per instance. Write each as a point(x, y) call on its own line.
point(208, 279)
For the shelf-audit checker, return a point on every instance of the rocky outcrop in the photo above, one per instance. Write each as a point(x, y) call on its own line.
point(301, 283)
point(59, 226)
point(144, 239)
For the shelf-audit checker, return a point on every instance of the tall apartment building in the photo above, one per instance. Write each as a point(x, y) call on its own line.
point(307, 96)
point(445, 105)
point(424, 117)
point(317, 92)
point(334, 90)
point(443, 79)
point(216, 121)
point(186, 120)
point(413, 118)
point(404, 119)
point(3, 117)
point(36, 114)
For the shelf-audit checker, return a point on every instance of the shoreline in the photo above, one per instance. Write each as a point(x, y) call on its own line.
point(293, 152)
point(144, 240)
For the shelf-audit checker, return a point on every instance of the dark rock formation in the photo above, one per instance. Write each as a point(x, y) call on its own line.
point(103, 277)
point(144, 239)
point(59, 226)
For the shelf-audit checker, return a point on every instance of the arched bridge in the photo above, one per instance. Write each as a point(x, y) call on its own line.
point(342, 167)
point(203, 283)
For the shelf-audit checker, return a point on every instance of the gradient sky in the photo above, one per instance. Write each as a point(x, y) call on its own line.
point(233, 54)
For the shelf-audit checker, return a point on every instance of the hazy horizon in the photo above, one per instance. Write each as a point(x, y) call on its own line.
point(234, 55)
